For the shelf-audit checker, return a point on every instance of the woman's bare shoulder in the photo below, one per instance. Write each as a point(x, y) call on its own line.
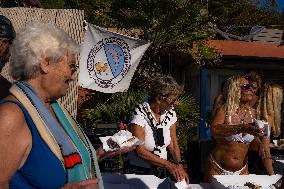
point(11, 116)
point(15, 139)
point(221, 110)
point(218, 98)
point(219, 117)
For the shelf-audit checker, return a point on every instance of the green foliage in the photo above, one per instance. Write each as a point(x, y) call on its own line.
point(110, 108)
point(171, 25)
point(186, 109)
point(184, 134)
point(97, 11)
point(188, 115)
point(53, 4)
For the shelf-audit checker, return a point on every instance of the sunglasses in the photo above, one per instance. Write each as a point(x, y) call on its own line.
point(246, 87)
point(169, 100)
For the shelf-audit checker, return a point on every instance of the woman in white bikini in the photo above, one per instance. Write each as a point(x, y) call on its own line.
point(233, 129)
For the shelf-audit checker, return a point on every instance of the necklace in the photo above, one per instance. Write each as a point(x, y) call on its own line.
point(242, 115)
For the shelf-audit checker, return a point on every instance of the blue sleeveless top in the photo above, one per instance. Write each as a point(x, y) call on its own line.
point(42, 168)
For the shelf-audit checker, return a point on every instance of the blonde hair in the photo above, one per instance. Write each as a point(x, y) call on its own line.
point(232, 93)
point(269, 105)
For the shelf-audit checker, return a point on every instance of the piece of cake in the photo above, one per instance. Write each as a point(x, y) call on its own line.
point(252, 185)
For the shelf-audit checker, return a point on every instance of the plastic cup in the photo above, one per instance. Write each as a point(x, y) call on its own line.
point(263, 125)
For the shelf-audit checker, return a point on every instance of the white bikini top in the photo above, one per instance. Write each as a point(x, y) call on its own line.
point(247, 138)
point(243, 138)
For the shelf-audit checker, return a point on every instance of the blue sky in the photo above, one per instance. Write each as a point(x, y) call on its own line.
point(280, 4)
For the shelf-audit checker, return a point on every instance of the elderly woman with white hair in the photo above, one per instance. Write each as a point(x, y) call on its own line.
point(41, 145)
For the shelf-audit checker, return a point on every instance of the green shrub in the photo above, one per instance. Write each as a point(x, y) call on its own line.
point(110, 108)
point(188, 115)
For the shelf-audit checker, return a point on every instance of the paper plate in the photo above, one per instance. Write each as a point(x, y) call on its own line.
point(107, 148)
point(238, 181)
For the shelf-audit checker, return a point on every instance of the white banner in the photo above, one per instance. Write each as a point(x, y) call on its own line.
point(109, 60)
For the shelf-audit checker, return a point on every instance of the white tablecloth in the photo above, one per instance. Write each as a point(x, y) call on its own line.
point(132, 181)
point(200, 186)
point(127, 186)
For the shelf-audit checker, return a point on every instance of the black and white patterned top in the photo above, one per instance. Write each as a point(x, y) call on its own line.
point(154, 142)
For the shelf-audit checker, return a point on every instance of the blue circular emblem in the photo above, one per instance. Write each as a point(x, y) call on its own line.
point(109, 61)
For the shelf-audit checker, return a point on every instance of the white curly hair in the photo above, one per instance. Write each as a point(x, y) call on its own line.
point(35, 42)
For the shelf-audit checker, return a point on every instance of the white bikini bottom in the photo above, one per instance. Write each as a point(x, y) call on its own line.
point(226, 172)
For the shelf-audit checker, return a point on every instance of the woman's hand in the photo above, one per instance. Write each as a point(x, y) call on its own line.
point(177, 171)
point(101, 153)
point(85, 184)
point(272, 145)
point(264, 150)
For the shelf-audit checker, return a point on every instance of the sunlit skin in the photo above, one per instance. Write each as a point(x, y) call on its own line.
point(231, 155)
point(247, 95)
point(168, 102)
